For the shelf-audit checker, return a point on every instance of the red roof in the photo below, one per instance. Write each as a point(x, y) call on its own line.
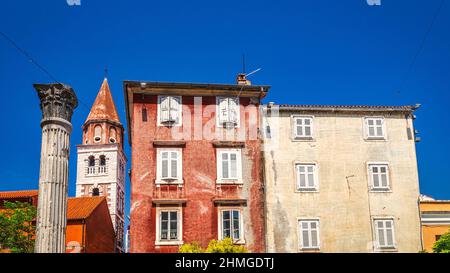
point(104, 107)
point(82, 207)
point(77, 207)
point(18, 194)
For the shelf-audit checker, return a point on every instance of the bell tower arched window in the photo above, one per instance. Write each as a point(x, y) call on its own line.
point(95, 192)
point(91, 165)
point(97, 133)
point(112, 135)
point(102, 164)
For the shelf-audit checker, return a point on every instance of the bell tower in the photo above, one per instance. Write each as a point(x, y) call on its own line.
point(101, 161)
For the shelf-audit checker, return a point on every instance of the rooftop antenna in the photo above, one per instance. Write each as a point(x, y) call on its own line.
point(106, 72)
point(243, 63)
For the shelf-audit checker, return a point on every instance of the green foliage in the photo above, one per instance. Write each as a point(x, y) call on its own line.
point(191, 248)
point(17, 231)
point(443, 244)
point(224, 246)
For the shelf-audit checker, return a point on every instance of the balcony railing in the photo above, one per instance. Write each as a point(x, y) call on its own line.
point(96, 170)
point(169, 192)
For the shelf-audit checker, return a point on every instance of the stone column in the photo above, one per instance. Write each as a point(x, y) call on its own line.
point(57, 103)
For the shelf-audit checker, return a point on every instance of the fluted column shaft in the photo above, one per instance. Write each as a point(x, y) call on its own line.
point(57, 104)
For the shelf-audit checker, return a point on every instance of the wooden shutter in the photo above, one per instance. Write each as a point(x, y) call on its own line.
point(164, 105)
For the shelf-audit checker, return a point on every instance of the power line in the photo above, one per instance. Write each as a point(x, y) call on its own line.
point(31, 60)
point(422, 45)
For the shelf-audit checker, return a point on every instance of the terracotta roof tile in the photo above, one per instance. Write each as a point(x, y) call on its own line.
point(104, 107)
point(82, 207)
point(18, 194)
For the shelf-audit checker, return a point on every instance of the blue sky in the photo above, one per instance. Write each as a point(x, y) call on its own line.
point(310, 52)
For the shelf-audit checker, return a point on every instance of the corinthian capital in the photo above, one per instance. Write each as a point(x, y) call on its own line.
point(57, 101)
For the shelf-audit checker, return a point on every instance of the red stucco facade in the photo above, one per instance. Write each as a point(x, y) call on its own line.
point(200, 196)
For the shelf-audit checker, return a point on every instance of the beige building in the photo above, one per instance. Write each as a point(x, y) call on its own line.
point(341, 179)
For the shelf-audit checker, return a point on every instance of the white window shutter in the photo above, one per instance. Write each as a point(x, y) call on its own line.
point(174, 109)
point(233, 165)
point(223, 110)
point(233, 108)
point(164, 109)
point(173, 165)
point(164, 165)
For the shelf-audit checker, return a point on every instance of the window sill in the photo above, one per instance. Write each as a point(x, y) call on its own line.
point(168, 124)
point(311, 250)
point(303, 139)
point(229, 182)
point(387, 249)
point(380, 190)
point(308, 190)
point(375, 139)
point(168, 243)
point(169, 181)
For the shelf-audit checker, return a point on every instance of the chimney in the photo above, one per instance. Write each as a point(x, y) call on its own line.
point(242, 79)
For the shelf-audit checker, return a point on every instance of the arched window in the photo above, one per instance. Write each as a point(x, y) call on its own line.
point(97, 133)
point(86, 135)
point(102, 160)
point(112, 135)
point(102, 164)
point(91, 161)
point(95, 192)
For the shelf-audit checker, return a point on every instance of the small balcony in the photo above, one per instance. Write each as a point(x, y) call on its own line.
point(166, 194)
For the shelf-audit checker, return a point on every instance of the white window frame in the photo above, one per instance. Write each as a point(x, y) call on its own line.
point(379, 247)
point(315, 187)
point(180, 111)
point(179, 178)
point(238, 111)
point(372, 186)
point(220, 211)
point(294, 127)
point(179, 240)
point(366, 128)
point(300, 233)
point(220, 179)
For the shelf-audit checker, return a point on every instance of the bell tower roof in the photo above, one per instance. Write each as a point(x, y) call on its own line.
point(103, 107)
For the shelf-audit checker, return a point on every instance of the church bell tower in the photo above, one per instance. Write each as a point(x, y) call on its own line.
point(101, 161)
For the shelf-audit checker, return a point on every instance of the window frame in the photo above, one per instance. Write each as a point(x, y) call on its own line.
point(315, 188)
point(219, 173)
point(220, 211)
point(294, 119)
point(366, 128)
point(301, 247)
point(180, 112)
point(377, 245)
point(380, 188)
point(159, 178)
point(179, 240)
point(238, 110)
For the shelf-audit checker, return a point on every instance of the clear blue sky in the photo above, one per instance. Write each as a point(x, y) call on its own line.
point(310, 52)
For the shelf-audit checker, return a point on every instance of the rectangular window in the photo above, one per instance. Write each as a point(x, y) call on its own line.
point(227, 111)
point(169, 229)
point(379, 176)
point(375, 128)
point(231, 224)
point(384, 233)
point(169, 165)
point(309, 234)
point(307, 178)
point(303, 127)
point(169, 110)
point(229, 165)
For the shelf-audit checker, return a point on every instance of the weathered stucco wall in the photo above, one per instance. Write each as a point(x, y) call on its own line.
point(199, 220)
point(343, 203)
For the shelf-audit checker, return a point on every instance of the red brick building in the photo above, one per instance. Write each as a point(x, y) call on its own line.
point(196, 164)
point(89, 226)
